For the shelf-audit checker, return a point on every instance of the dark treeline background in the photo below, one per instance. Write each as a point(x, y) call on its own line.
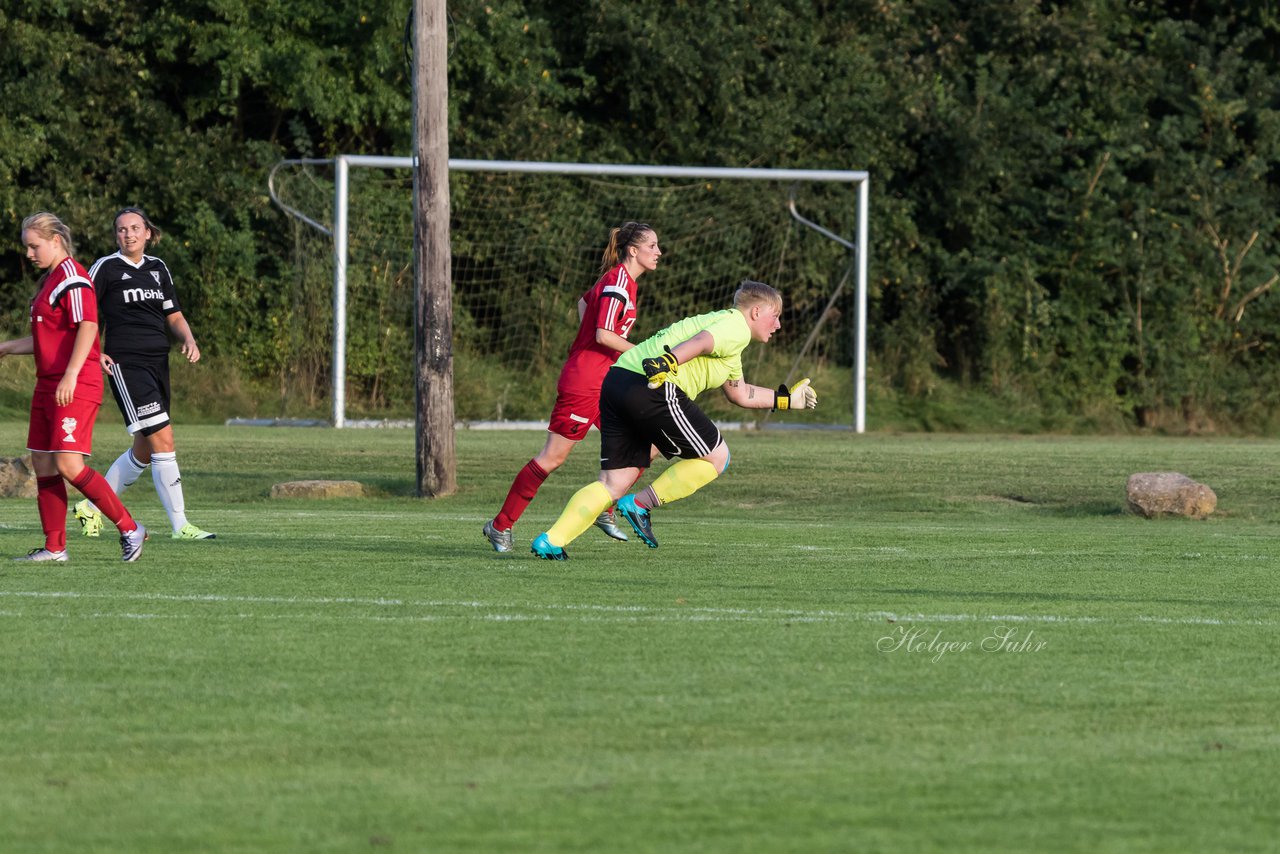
point(1074, 204)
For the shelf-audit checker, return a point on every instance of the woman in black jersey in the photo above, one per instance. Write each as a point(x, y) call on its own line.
point(139, 311)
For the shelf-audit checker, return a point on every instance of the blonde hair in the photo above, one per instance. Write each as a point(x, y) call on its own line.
point(751, 293)
point(620, 238)
point(48, 227)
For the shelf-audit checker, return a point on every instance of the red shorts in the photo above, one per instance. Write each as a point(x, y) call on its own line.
point(57, 428)
point(574, 413)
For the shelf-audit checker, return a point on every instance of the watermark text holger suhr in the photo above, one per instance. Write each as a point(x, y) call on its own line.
point(932, 643)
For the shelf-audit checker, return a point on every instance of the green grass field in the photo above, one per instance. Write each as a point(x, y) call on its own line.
point(855, 643)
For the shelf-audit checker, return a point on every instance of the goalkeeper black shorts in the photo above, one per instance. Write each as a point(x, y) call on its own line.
point(634, 417)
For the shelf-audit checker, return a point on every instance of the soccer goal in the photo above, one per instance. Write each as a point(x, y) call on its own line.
point(526, 241)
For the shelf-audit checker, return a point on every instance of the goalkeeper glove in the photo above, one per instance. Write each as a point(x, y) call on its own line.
point(660, 368)
point(799, 396)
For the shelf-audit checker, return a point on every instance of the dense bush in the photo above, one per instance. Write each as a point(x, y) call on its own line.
point(1073, 204)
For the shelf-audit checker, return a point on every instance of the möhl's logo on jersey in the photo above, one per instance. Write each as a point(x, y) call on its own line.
point(69, 427)
point(139, 294)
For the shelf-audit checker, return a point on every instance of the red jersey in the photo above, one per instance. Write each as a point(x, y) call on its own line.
point(66, 299)
point(611, 305)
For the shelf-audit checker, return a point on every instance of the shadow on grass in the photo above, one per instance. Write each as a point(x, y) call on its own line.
point(1082, 509)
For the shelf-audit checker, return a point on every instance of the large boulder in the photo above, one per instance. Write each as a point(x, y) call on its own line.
point(17, 477)
point(1168, 493)
point(318, 489)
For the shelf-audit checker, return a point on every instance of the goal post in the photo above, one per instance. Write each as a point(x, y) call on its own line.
point(665, 203)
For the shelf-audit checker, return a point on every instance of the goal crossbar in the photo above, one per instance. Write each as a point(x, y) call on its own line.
point(342, 164)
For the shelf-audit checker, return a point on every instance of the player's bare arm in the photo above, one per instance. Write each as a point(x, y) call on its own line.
point(182, 332)
point(662, 367)
point(86, 337)
point(17, 347)
point(612, 340)
point(744, 394)
point(699, 345)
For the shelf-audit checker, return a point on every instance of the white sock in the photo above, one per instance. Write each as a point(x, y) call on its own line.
point(168, 481)
point(122, 474)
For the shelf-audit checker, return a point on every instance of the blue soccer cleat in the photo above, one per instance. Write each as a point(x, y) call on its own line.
point(639, 519)
point(542, 547)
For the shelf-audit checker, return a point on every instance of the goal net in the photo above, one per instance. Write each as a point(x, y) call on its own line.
point(525, 247)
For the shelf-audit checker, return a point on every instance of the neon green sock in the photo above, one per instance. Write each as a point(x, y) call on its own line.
point(683, 479)
point(579, 514)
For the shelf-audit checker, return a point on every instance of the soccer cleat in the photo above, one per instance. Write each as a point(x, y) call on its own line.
point(639, 519)
point(44, 555)
point(191, 532)
point(131, 543)
point(609, 525)
point(542, 548)
point(502, 541)
point(90, 519)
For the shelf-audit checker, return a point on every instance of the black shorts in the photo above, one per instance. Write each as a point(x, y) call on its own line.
point(142, 393)
point(633, 417)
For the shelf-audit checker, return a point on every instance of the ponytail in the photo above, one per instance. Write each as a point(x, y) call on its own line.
point(610, 257)
point(620, 239)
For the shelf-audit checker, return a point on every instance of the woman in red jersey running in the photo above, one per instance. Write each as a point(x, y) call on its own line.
point(64, 341)
point(606, 314)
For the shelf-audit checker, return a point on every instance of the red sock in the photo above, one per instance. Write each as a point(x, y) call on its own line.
point(51, 501)
point(96, 489)
point(523, 488)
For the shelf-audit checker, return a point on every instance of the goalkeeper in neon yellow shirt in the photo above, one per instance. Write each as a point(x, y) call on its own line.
point(647, 402)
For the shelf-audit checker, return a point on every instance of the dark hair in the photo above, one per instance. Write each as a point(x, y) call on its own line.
point(146, 220)
point(626, 235)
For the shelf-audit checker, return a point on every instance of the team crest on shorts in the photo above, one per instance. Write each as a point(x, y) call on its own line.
point(69, 427)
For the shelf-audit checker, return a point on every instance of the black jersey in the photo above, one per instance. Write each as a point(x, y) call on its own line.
point(134, 302)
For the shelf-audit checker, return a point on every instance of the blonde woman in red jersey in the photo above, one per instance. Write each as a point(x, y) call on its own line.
point(64, 341)
point(606, 313)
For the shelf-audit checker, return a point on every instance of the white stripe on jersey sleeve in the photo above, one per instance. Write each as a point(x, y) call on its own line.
point(619, 285)
point(618, 291)
point(65, 284)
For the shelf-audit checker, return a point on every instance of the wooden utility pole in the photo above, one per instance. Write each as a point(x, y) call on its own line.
point(433, 304)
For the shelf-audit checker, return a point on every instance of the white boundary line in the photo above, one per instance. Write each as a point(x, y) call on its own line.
point(584, 613)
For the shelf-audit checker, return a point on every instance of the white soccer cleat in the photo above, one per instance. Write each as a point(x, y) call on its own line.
point(42, 554)
point(607, 523)
point(131, 543)
point(502, 541)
